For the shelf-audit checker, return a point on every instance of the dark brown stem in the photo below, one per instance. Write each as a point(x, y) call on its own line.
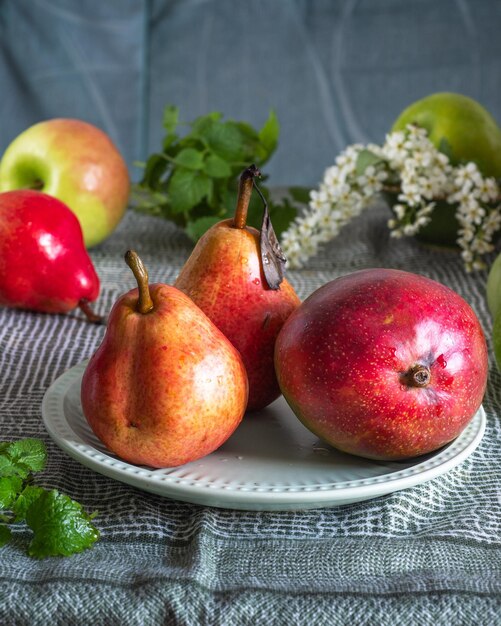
point(417, 376)
point(37, 184)
point(144, 302)
point(92, 317)
point(244, 196)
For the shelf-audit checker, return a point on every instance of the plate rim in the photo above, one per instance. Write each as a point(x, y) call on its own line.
point(281, 498)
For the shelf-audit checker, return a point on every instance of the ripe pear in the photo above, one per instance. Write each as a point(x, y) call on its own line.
point(165, 387)
point(225, 277)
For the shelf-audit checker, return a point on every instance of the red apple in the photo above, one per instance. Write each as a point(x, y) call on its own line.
point(383, 364)
point(75, 162)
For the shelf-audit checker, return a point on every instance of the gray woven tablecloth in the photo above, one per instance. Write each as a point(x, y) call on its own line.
point(426, 555)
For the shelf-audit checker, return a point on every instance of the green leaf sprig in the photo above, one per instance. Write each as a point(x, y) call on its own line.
point(194, 180)
point(60, 526)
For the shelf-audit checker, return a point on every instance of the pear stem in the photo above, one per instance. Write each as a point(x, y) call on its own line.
point(91, 316)
point(244, 195)
point(144, 302)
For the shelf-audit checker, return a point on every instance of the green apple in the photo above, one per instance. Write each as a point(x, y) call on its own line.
point(494, 287)
point(75, 162)
point(459, 126)
point(496, 339)
point(465, 131)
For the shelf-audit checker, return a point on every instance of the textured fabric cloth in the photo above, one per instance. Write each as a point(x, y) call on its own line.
point(335, 71)
point(425, 555)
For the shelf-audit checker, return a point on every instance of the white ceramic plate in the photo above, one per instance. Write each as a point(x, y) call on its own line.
point(272, 462)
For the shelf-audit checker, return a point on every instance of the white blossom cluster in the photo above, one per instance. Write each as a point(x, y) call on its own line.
point(417, 175)
point(478, 213)
point(342, 195)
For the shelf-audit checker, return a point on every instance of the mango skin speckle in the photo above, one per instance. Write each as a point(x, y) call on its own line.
point(342, 355)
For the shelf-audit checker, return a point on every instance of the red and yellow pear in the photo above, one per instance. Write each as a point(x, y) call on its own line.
point(227, 277)
point(165, 387)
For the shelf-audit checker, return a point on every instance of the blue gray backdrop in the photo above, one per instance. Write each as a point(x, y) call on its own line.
point(336, 71)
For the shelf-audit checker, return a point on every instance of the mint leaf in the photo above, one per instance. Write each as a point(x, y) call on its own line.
point(5, 535)
point(30, 453)
point(171, 119)
point(168, 140)
point(250, 134)
point(187, 188)
point(25, 500)
point(190, 158)
point(268, 135)
point(196, 175)
point(10, 486)
point(8, 467)
point(226, 141)
point(154, 171)
point(216, 167)
point(366, 158)
point(60, 526)
point(202, 124)
point(196, 228)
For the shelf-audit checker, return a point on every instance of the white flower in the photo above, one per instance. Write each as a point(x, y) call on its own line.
point(421, 175)
point(409, 230)
point(393, 148)
point(467, 233)
point(472, 211)
point(400, 210)
point(488, 190)
point(396, 234)
point(481, 246)
point(333, 176)
point(371, 180)
point(467, 176)
point(493, 221)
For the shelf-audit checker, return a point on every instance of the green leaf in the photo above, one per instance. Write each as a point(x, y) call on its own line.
point(5, 535)
point(60, 526)
point(248, 132)
point(171, 118)
point(202, 123)
point(300, 194)
point(177, 187)
point(168, 140)
point(216, 167)
point(155, 168)
point(281, 215)
point(187, 188)
point(366, 158)
point(226, 141)
point(25, 500)
point(445, 148)
point(190, 158)
point(10, 486)
point(268, 135)
point(196, 228)
point(8, 467)
point(32, 453)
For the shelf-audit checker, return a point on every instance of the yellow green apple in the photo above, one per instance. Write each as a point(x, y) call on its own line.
point(75, 162)
point(464, 130)
point(459, 126)
point(494, 287)
point(496, 339)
